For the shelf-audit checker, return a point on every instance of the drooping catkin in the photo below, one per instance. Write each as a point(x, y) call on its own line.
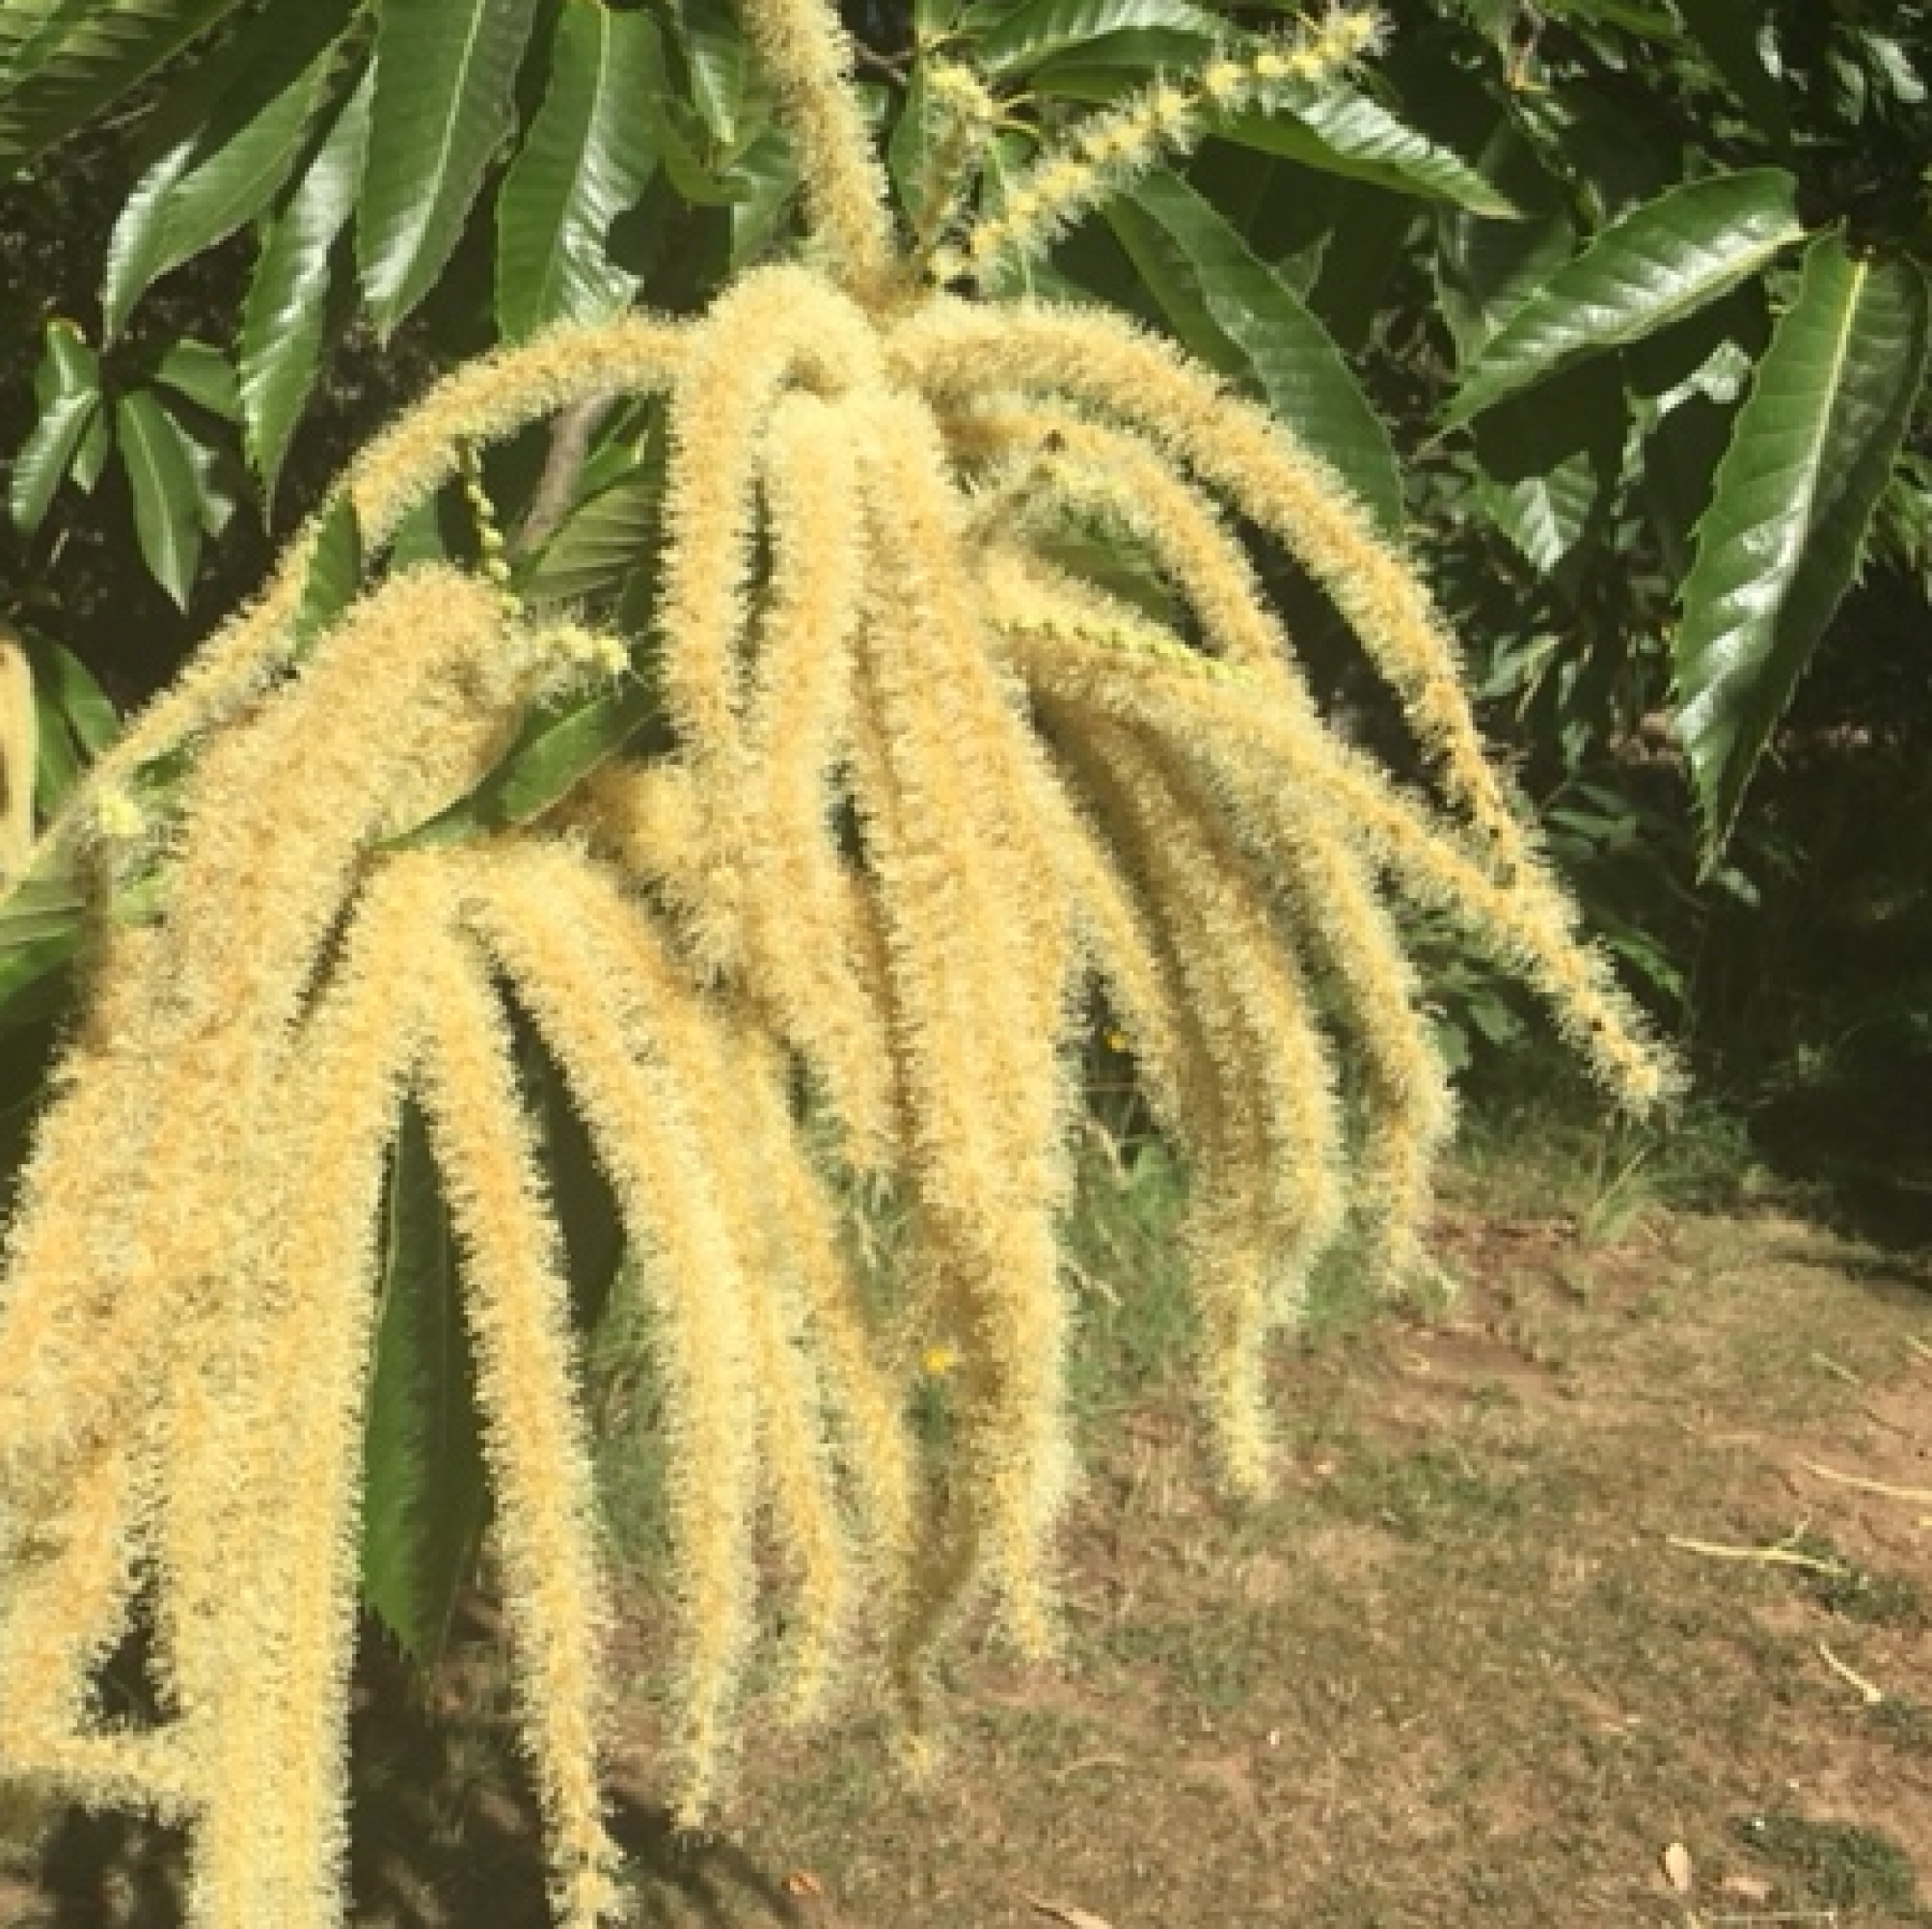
point(1319, 875)
point(284, 1746)
point(1104, 153)
point(808, 54)
point(630, 1037)
point(69, 1582)
point(1408, 1105)
point(71, 1260)
point(874, 1438)
point(1180, 526)
point(517, 1306)
point(926, 783)
point(392, 713)
point(774, 328)
point(19, 756)
point(1524, 924)
point(1276, 1098)
point(982, 1158)
point(400, 709)
point(804, 960)
point(957, 350)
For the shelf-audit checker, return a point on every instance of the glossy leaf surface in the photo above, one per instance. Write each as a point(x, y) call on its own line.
point(166, 490)
point(285, 317)
point(70, 61)
point(225, 166)
point(425, 1499)
point(1240, 318)
point(1664, 261)
point(1779, 545)
point(1342, 132)
point(584, 162)
point(446, 74)
point(67, 389)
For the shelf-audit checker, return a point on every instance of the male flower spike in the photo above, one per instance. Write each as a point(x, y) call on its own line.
point(925, 785)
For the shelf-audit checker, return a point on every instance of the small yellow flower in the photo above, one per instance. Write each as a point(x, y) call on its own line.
point(938, 1361)
point(1168, 109)
point(1223, 80)
point(116, 816)
point(579, 647)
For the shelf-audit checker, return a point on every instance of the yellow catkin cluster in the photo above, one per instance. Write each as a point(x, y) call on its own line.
point(962, 118)
point(928, 786)
point(1107, 152)
point(19, 744)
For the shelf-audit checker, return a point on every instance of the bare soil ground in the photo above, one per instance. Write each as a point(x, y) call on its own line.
point(1602, 1598)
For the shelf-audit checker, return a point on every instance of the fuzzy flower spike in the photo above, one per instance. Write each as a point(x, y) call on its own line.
point(925, 786)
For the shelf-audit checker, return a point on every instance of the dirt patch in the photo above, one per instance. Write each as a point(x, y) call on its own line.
point(1461, 1669)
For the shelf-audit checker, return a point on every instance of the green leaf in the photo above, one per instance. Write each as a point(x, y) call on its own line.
point(69, 364)
point(227, 165)
point(285, 317)
point(424, 1496)
point(560, 743)
point(931, 18)
point(134, 244)
point(220, 479)
point(202, 372)
point(1040, 31)
point(41, 921)
point(33, 974)
point(72, 60)
point(440, 528)
point(79, 701)
point(164, 151)
point(44, 903)
point(910, 149)
point(67, 389)
point(1494, 20)
point(597, 544)
point(57, 762)
point(1342, 132)
point(1651, 22)
point(30, 30)
point(334, 573)
point(719, 62)
point(1240, 317)
point(1106, 69)
point(1660, 262)
point(768, 173)
point(445, 76)
point(1810, 451)
point(167, 493)
point(74, 724)
point(1486, 269)
point(675, 132)
point(584, 162)
point(1549, 462)
point(97, 445)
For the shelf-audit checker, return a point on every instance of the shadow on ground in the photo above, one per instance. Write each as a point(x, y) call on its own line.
point(446, 1832)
